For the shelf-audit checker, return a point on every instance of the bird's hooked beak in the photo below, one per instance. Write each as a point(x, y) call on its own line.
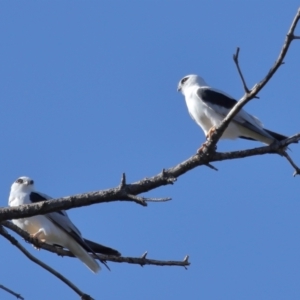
point(179, 88)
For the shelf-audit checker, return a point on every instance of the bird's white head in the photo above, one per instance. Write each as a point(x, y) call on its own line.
point(23, 184)
point(188, 81)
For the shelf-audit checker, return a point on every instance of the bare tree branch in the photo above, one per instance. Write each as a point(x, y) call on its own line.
point(236, 61)
point(167, 176)
point(62, 252)
point(285, 154)
point(131, 192)
point(210, 145)
point(5, 234)
point(11, 292)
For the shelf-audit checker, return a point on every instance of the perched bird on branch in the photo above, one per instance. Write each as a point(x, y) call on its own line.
point(54, 228)
point(208, 107)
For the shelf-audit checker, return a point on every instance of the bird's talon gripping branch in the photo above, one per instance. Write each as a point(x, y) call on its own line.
point(35, 241)
point(210, 132)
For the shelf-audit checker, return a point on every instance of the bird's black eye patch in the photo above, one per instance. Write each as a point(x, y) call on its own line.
point(31, 182)
point(184, 80)
point(19, 180)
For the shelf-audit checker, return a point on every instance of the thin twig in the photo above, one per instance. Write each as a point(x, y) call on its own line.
point(147, 261)
point(211, 166)
point(62, 252)
point(236, 61)
point(123, 181)
point(11, 292)
point(143, 199)
point(5, 234)
point(285, 154)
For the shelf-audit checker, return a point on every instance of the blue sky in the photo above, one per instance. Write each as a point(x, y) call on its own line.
point(88, 91)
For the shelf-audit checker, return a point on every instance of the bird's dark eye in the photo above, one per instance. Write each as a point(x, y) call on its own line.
point(184, 80)
point(31, 182)
point(19, 180)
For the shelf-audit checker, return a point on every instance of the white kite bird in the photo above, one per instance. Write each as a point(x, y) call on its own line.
point(208, 107)
point(54, 228)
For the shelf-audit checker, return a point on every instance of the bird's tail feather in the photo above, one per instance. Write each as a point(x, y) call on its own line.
point(85, 257)
point(277, 136)
point(274, 136)
point(246, 133)
point(98, 248)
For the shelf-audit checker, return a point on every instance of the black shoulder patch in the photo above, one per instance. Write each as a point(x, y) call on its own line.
point(208, 95)
point(36, 197)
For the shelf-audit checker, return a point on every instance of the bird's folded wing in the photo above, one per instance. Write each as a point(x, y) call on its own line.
point(65, 224)
point(223, 103)
point(60, 218)
point(38, 197)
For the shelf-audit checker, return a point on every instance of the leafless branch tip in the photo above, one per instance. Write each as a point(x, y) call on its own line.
point(236, 61)
point(18, 296)
point(123, 182)
point(289, 159)
point(211, 166)
point(143, 200)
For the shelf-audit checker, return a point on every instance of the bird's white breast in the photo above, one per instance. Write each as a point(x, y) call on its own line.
point(198, 110)
point(35, 223)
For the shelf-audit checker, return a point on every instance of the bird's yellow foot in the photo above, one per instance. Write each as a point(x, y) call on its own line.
point(210, 132)
point(35, 236)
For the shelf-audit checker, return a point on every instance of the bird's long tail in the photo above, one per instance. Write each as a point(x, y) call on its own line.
point(266, 136)
point(98, 248)
point(85, 257)
point(279, 137)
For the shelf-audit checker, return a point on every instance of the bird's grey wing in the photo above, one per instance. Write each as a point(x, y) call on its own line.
point(65, 224)
point(223, 103)
point(38, 197)
point(60, 218)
